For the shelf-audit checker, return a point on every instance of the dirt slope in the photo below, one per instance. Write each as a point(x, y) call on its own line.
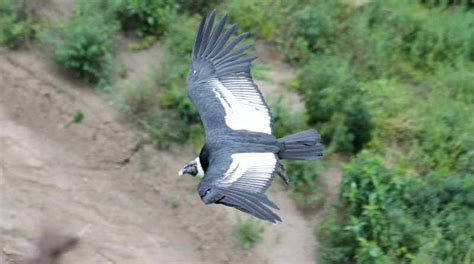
point(74, 176)
point(87, 177)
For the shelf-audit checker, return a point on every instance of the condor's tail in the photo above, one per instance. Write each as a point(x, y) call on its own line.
point(304, 145)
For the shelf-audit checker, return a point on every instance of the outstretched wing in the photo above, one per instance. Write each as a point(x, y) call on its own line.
point(219, 82)
point(246, 178)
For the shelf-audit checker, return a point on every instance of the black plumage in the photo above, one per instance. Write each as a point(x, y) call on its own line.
point(240, 155)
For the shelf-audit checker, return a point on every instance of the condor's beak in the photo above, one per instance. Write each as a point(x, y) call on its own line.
point(190, 169)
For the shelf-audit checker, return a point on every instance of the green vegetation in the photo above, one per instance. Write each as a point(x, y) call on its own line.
point(285, 121)
point(146, 17)
point(142, 104)
point(85, 43)
point(78, 117)
point(390, 78)
point(247, 232)
point(392, 216)
point(171, 79)
point(145, 43)
point(305, 183)
point(178, 47)
point(173, 202)
point(17, 23)
point(166, 113)
point(197, 6)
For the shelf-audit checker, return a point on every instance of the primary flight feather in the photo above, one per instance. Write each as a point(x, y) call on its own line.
point(240, 155)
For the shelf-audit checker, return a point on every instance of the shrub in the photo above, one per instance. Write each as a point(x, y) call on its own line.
point(85, 43)
point(202, 7)
point(442, 137)
point(164, 127)
point(424, 40)
point(318, 24)
point(358, 123)
point(325, 84)
point(176, 61)
point(392, 217)
point(142, 104)
point(146, 17)
point(270, 19)
point(253, 16)
point(78, 117)
point(285, 122)
point(298, 53)
point(247, 232)
point(139, 98)
point(17, 23)
point(305, 185)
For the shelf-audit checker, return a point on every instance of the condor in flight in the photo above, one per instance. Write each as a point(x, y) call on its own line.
point(240, 154)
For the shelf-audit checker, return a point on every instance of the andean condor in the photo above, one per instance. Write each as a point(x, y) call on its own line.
point(240, 154)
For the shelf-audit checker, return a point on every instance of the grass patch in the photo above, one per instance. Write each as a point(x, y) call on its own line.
point(173, 202)
point(78, 117)
point(247, 232)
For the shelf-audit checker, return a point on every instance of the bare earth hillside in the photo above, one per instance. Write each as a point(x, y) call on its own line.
point(88, 178)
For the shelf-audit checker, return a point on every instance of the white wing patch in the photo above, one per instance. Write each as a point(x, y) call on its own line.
point(250, 171)
point(243, 104)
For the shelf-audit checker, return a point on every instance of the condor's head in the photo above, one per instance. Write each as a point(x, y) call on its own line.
point(193, 168)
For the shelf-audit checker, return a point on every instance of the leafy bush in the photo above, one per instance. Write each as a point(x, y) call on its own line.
point(391, 73)
point(443, 138)
point(318, 24)
point(358, 123)
point(424, 40)
point(85, 43)
point(299, 52)
point(198, 6)
point(270, 19)
point(247, 232)
point(392, 217)
point(159, 105)
point(164, 127)
point(78, 117)
point(285, 122)
point(249, 19)
point(146, 17)
point(139, 98)
point(176, 61)
point(141, 103)
point(17, 23)
point(325, 84)
point(305, 185)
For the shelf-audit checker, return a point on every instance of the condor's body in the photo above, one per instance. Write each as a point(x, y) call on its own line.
point(240, 155)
